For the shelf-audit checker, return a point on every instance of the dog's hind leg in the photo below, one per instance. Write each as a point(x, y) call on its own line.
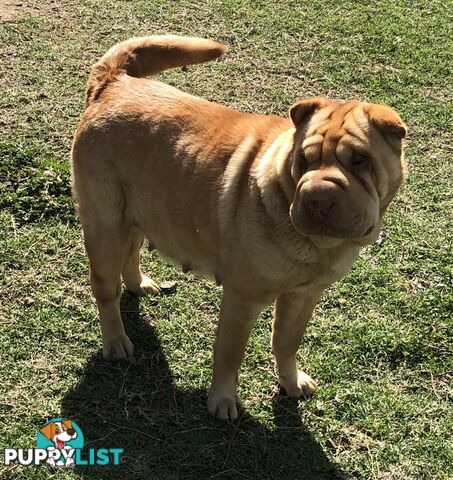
point(106, 241)
point(134, 279)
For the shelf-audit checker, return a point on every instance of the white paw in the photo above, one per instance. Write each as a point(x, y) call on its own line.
point(302, 386)
point(223, 406)
point(118, 348)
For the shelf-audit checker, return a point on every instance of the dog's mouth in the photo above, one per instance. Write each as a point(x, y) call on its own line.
point(60, 444)
point(310, 228)
point(369, 230)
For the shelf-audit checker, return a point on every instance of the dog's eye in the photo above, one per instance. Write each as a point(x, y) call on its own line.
point(303, 162)
point(360, 160)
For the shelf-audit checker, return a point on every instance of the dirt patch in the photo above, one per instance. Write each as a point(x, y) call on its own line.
point(11, 9)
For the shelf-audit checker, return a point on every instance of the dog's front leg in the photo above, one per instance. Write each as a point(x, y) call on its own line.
point(237, 316)
point(292, 312)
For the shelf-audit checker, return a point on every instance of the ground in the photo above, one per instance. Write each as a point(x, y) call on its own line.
point(380, 342)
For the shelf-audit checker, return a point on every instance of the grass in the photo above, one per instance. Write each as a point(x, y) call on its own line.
point(380, 343)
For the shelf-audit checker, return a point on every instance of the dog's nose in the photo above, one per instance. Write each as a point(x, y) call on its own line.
point(319, 198)
point(71, 431)
point(319, 208)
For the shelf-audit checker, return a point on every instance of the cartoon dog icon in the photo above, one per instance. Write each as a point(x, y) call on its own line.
point(59, 433)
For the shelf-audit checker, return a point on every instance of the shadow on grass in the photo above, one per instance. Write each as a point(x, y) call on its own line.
point(166, 432)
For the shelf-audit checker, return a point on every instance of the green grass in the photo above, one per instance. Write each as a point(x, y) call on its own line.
point(380, 343)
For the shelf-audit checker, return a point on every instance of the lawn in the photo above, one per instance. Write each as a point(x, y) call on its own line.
point(380, 343)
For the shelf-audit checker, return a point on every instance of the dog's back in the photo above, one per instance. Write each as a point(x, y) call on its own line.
point(149, 155)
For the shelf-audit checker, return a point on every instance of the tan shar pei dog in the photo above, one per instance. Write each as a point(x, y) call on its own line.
point(274, 209)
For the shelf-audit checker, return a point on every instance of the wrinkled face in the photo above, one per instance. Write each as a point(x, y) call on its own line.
point(348, 166)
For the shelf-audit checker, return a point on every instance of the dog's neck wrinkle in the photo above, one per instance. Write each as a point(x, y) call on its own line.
point(273, 178)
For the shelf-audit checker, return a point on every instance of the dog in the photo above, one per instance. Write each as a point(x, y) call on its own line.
point(275, 209)
point(59, 433)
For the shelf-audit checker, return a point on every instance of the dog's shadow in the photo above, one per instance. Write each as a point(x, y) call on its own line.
point(166, 432)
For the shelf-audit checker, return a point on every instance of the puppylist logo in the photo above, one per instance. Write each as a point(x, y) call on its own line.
point(59, 443)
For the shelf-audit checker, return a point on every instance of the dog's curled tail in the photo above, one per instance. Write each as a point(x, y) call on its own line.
point(140, 57)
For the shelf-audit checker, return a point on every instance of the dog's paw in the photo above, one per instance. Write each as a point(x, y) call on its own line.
point(146, 286)
point(224, 407)
point(303, 386)
point(118, 348)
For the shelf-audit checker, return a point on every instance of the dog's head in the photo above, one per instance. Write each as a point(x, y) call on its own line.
point(347, 164)
point(59, 432)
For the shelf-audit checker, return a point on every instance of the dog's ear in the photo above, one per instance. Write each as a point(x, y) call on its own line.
point(385, 119)
point(303, 109)
point(49, 430)
point(67, 423)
